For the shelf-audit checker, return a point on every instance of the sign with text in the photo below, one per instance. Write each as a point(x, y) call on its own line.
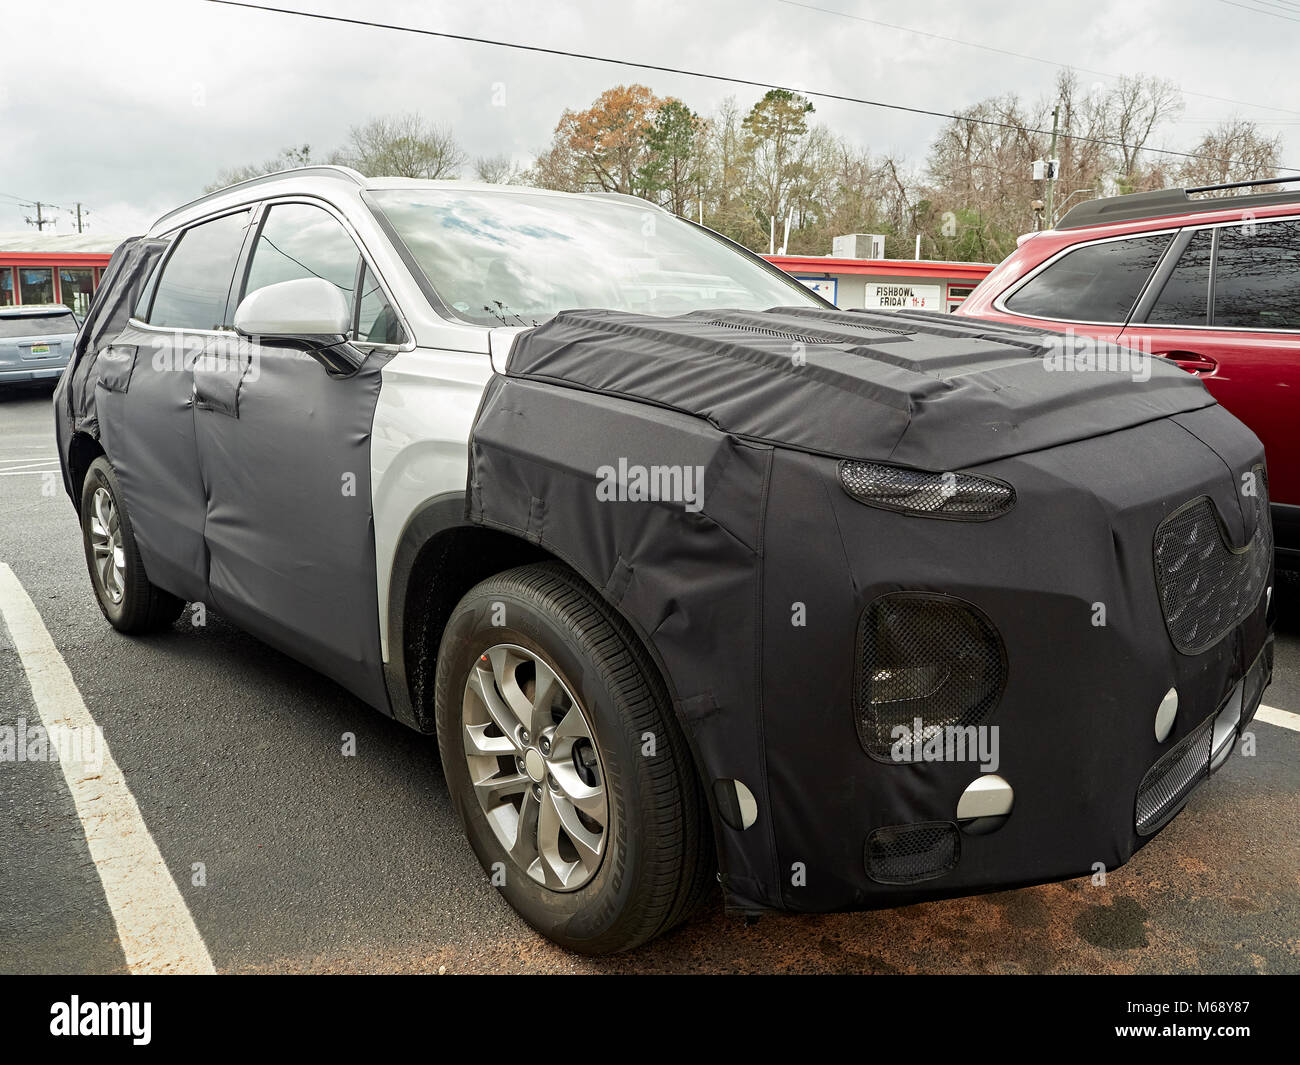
point(898, 297)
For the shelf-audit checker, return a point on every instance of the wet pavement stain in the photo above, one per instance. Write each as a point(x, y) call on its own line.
point(1119, 926)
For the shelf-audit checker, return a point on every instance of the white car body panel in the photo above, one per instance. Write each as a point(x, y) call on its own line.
point(420, 445)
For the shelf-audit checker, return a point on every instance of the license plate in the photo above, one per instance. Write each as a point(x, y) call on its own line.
point(40, 349)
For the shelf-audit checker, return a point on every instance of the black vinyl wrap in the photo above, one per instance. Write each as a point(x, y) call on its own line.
point(119, 290)
point(246, 471)
point(1097, 460)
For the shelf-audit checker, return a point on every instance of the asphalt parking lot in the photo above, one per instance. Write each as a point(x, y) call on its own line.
point(316, 862)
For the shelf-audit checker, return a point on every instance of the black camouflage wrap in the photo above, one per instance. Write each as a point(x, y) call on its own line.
point(246, 471)
point(769, 404)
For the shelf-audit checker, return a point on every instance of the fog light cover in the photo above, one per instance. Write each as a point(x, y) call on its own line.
point(957, 496)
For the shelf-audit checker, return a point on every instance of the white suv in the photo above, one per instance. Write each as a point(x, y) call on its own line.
point(688, 579)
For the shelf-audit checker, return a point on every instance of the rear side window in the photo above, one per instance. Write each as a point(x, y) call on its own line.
point(195, 281)
point(1185, 298)
point(36, 325)
point(1093, 283)
point(1257, 276)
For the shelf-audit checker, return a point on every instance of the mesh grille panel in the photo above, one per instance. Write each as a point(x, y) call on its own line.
point(768, 331)
point(1205, 588)
point(952, 495)
point(904, 854)
point(1257, 679)
point(1168, 781)
point(923, 656)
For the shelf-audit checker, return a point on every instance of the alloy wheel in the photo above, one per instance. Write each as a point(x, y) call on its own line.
point(106, 545)
point(534, 767)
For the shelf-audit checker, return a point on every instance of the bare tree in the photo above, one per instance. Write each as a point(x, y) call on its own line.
point(980, 184)
point(403, 146)
point(725, 169)
point(288, 159)
point(499, 170)
point(1235, 150)
point(1134, 109)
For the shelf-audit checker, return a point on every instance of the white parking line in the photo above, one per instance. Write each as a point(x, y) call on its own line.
point(154, 925)
point(1274, 716)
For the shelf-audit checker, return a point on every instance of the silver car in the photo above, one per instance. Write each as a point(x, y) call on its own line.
point(35, 342)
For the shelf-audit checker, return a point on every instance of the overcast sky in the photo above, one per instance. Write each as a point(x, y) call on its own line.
point(131, 107)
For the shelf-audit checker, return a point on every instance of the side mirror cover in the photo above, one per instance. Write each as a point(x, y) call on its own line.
point(304, 307)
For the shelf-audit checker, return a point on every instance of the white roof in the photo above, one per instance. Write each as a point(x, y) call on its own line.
point(54, 243)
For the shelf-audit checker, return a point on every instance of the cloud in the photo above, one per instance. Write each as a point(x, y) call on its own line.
point(152, 99)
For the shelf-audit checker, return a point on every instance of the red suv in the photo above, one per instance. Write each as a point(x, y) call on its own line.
point(1211, 282)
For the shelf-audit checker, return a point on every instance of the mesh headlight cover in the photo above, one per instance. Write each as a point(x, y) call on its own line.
point(958, 496)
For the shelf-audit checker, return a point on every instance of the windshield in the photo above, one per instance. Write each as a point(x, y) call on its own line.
point(36, 325)
point(515, 258)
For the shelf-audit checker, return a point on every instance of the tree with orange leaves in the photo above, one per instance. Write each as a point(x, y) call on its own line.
point(607, 144)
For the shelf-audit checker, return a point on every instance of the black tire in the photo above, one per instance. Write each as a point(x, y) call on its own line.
point(658, 862)
point(140, 607)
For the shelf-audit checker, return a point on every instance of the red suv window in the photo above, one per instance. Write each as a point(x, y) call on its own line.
point(1185, 297)
point(1257, 276)
point(1091, 283)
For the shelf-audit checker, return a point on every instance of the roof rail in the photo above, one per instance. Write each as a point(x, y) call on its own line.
point(342, 173)
point(1164, 202)
point(1245, 184)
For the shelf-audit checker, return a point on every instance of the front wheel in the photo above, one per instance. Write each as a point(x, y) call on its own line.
point(570, 775)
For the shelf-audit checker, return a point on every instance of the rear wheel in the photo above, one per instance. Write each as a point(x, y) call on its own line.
point(574, 785)
point(122, 588)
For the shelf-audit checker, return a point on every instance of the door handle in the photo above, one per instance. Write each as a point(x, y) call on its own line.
point(1191, 361)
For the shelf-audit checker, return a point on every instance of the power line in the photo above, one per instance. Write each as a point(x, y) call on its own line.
point(27, 202)
point(539, 49)
point(1019, 55)
point(1290, 9)
point(1260, 11)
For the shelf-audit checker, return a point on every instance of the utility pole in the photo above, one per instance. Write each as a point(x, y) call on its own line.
point(1051, 169)
point(40, 221)
point(79, 222)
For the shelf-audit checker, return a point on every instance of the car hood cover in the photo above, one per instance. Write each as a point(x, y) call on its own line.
point(919, 389)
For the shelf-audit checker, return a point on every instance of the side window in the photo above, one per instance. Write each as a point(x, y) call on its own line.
point(195, 281)
point(1094, 283)
point(1185, 298)
point(298, 240)
point(1257, 276)
point(376, 321)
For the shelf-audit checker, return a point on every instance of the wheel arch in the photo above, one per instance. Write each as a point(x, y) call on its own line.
point(83, 449)
point(440, 556)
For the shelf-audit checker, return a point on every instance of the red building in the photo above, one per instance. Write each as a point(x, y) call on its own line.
point(885, 284)
point(52, 267)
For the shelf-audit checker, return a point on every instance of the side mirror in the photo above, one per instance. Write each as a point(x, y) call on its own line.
point(305, 307)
